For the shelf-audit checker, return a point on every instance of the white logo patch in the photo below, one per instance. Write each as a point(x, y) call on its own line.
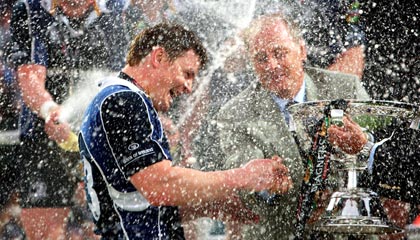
point(133, 146)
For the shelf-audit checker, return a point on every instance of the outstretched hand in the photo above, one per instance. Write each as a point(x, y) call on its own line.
point(350, 137)
point(268, 174)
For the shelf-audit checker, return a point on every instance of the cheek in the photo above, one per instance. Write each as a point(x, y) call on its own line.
point(176, 76)
point(296, 61)
point(170, 76)
point(176, 81)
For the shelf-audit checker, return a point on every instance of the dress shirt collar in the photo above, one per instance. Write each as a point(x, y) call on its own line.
point(299, 98)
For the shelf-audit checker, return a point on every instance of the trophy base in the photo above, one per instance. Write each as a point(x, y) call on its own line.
point(354, 226)
point(355, 212)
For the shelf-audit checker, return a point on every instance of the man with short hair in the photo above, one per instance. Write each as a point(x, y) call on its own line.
point(254, 124)
point(133, 190)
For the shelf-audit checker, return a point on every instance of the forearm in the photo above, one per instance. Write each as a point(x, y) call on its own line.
point(31, 79)
point(163, 184)
point(231, 208)
point(195, 210)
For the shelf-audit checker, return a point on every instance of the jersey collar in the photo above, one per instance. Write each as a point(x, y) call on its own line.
point(122, 81)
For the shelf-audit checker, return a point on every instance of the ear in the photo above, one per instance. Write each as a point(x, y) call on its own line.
point(302, 46)
point(158, 55)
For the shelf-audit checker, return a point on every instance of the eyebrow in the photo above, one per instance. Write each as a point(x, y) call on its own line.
point(283, 48)
point(276, 48)
point(260, 52)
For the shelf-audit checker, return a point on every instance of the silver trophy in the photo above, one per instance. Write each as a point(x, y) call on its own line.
point(351, 209)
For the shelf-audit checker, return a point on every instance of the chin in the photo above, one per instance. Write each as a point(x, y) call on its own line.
point(283, 93)
point(163, 109)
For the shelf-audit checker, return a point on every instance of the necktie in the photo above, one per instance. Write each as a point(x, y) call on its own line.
point(288, 117)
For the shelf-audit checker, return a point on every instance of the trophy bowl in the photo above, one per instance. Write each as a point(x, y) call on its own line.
point(351, 209)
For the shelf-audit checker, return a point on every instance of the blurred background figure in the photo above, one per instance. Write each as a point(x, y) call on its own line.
point(55, 48)
point(143, 13)
point(334, 32)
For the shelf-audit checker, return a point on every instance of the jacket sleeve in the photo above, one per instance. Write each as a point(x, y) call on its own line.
point(237, 143)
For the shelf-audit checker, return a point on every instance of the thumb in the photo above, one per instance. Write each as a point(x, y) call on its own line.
point(281, 168)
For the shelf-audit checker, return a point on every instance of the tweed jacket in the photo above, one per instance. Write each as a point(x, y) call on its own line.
point(251, 126)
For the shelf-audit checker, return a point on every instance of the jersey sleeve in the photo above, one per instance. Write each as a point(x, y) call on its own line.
point(18, 49)
point(129, 123)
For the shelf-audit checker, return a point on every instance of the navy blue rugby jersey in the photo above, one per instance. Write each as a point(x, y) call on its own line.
point(120, 135)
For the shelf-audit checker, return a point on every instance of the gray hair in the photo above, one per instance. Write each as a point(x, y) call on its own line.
point(257, 24)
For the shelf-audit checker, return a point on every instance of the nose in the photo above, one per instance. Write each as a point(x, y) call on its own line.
point(188, 86)
point(272, 63)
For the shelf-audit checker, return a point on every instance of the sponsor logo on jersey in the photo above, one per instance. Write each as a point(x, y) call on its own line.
point(137, 154)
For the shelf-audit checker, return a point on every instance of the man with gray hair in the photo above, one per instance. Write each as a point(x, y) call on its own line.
point(254, 124)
